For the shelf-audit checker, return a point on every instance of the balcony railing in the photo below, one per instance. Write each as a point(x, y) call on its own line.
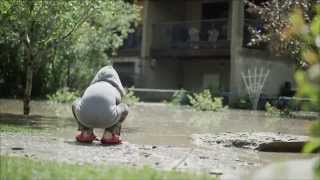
point(193, 35)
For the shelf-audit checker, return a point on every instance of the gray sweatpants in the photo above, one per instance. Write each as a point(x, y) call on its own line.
point(99, 107)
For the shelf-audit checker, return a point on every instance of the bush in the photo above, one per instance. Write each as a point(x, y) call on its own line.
point(204, 101)
point(129, 98)
point(180, 98)
point(63, 95)
point(274, 111)
point(243, 103)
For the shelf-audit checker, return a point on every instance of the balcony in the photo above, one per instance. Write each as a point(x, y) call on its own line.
point(191, 39)
point(132, 45)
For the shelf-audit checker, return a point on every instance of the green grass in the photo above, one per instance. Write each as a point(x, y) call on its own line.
point(7, 128)
point(22, 168)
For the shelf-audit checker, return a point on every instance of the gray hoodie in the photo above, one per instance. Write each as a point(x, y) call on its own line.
point(100, 106)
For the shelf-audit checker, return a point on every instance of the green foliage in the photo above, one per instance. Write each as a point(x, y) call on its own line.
point(180, 98)
point(275, 112)
point(296, 104)
point(274, 16)
point(67, 41)
point(63, 95)
point(23, 168)
point(308, 80)
point(129, 98)
point(243, 103)
point(204, 101)
point(271, 110)
point(98, 39)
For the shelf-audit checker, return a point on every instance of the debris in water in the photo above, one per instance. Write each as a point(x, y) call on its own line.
point(203, 157)
point(216, 173)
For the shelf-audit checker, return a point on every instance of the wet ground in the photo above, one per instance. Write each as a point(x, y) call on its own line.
point(167, 128)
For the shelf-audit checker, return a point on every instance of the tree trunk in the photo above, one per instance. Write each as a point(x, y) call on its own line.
point(28, 89)
point(68, 73)
point(29, 68)
point(28, 38)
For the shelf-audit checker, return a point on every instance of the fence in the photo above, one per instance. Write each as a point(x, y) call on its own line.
point(191, 34)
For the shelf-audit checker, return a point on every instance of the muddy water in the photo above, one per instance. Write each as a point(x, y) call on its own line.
point(160, 124)
point(156, 123)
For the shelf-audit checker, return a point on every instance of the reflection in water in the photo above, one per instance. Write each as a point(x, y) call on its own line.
point(36, 121)
point(206, 121)
point(271, 121)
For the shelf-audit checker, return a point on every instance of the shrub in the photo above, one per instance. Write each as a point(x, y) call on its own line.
point(204, 101)
point(243, 103)
point(180, 98)
point(129, 98)
point(274, 111)
point(63, 95)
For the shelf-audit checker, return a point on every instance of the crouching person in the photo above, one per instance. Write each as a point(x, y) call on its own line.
point(100, 107)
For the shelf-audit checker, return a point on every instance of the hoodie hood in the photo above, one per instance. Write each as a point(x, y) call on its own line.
point(110, 75)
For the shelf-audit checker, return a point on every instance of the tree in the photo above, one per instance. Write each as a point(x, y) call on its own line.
point(274, 15)
point(114, 27)
point(43, 29)
point(308, 80)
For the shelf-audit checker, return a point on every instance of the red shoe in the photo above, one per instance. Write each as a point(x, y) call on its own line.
point(114, 140)
point(86, 139)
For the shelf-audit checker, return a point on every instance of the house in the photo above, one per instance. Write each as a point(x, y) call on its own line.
point(196, 44)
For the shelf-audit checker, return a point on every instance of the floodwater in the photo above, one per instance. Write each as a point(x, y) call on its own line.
point(161, 124)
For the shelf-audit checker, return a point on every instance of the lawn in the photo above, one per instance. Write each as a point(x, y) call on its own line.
point(9, 128)
point(23, 168)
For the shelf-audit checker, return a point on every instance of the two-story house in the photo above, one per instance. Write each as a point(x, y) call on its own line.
point(196, 44)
